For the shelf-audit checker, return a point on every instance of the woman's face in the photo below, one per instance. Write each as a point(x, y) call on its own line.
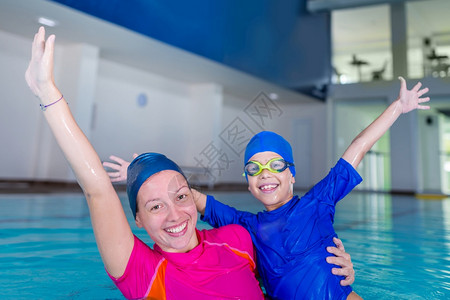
point(167, 211)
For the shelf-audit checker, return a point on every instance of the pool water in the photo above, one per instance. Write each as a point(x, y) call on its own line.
point(400, 246)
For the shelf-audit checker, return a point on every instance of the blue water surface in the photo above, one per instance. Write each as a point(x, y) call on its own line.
point(400, 246)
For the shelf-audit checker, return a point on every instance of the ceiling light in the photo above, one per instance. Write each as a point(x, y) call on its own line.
point(47, 22)
point(273, 96)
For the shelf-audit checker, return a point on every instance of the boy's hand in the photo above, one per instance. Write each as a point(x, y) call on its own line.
point(343, 260)
point(411, 99)
point(120, 166)
point(200, 201)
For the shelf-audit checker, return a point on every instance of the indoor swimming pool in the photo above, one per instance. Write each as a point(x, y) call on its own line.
point(400, 246)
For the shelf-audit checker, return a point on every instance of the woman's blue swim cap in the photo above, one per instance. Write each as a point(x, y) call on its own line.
point(270, 141)
point(141, 168)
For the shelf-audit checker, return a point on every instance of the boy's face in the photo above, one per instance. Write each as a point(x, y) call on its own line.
point(272, 189)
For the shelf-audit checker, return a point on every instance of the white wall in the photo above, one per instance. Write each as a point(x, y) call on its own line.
point(178, 119)
point(285, 120)
point(187, 122)
point(168, 123)
point(184, 121)
point(28, 150)
point(19, 111)
point(305, 128)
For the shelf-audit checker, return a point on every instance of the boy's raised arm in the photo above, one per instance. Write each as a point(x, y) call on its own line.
point(407, 101)
point(112, 231)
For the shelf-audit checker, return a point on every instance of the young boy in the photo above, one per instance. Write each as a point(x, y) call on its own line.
point(291, 237)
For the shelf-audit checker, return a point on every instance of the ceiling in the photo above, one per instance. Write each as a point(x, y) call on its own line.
point(353, 30)
point(367, 29)
point(118, 44)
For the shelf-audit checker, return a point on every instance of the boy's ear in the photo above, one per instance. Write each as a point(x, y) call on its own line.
point(292, 179)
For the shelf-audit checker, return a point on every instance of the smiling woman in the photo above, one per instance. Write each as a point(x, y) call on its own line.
point(185, 262)
point(166, 210)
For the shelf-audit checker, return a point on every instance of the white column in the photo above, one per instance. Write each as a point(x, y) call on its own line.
point(404, 153)
point(405, 162)
point(430, 156)
point(206, 125)
point(399, 39)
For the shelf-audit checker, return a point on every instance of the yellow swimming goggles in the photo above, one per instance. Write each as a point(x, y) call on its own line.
point(275, 165)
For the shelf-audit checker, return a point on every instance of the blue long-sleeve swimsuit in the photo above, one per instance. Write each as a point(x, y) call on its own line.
point(291, 241)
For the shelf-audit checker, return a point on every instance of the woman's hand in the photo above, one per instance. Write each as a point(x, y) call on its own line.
point(39, 74)
point(411, 99)
point(343, 260)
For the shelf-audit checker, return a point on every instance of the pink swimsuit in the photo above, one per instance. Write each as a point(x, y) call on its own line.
point(221, 267)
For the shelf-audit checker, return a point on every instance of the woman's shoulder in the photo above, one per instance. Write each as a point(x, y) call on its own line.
point(234, 235)
point(142, 249)
point(233, 229)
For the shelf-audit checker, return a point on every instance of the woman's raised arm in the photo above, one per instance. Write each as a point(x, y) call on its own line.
point(112, 231)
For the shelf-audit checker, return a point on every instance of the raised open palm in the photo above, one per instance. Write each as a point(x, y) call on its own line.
point(412, 99)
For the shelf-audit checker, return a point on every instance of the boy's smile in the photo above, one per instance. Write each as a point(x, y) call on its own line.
point(268, 188)
point(272, 189)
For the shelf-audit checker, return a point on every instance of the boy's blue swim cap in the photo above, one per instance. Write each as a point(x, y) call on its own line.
point(270, 141)
point(141, 168)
